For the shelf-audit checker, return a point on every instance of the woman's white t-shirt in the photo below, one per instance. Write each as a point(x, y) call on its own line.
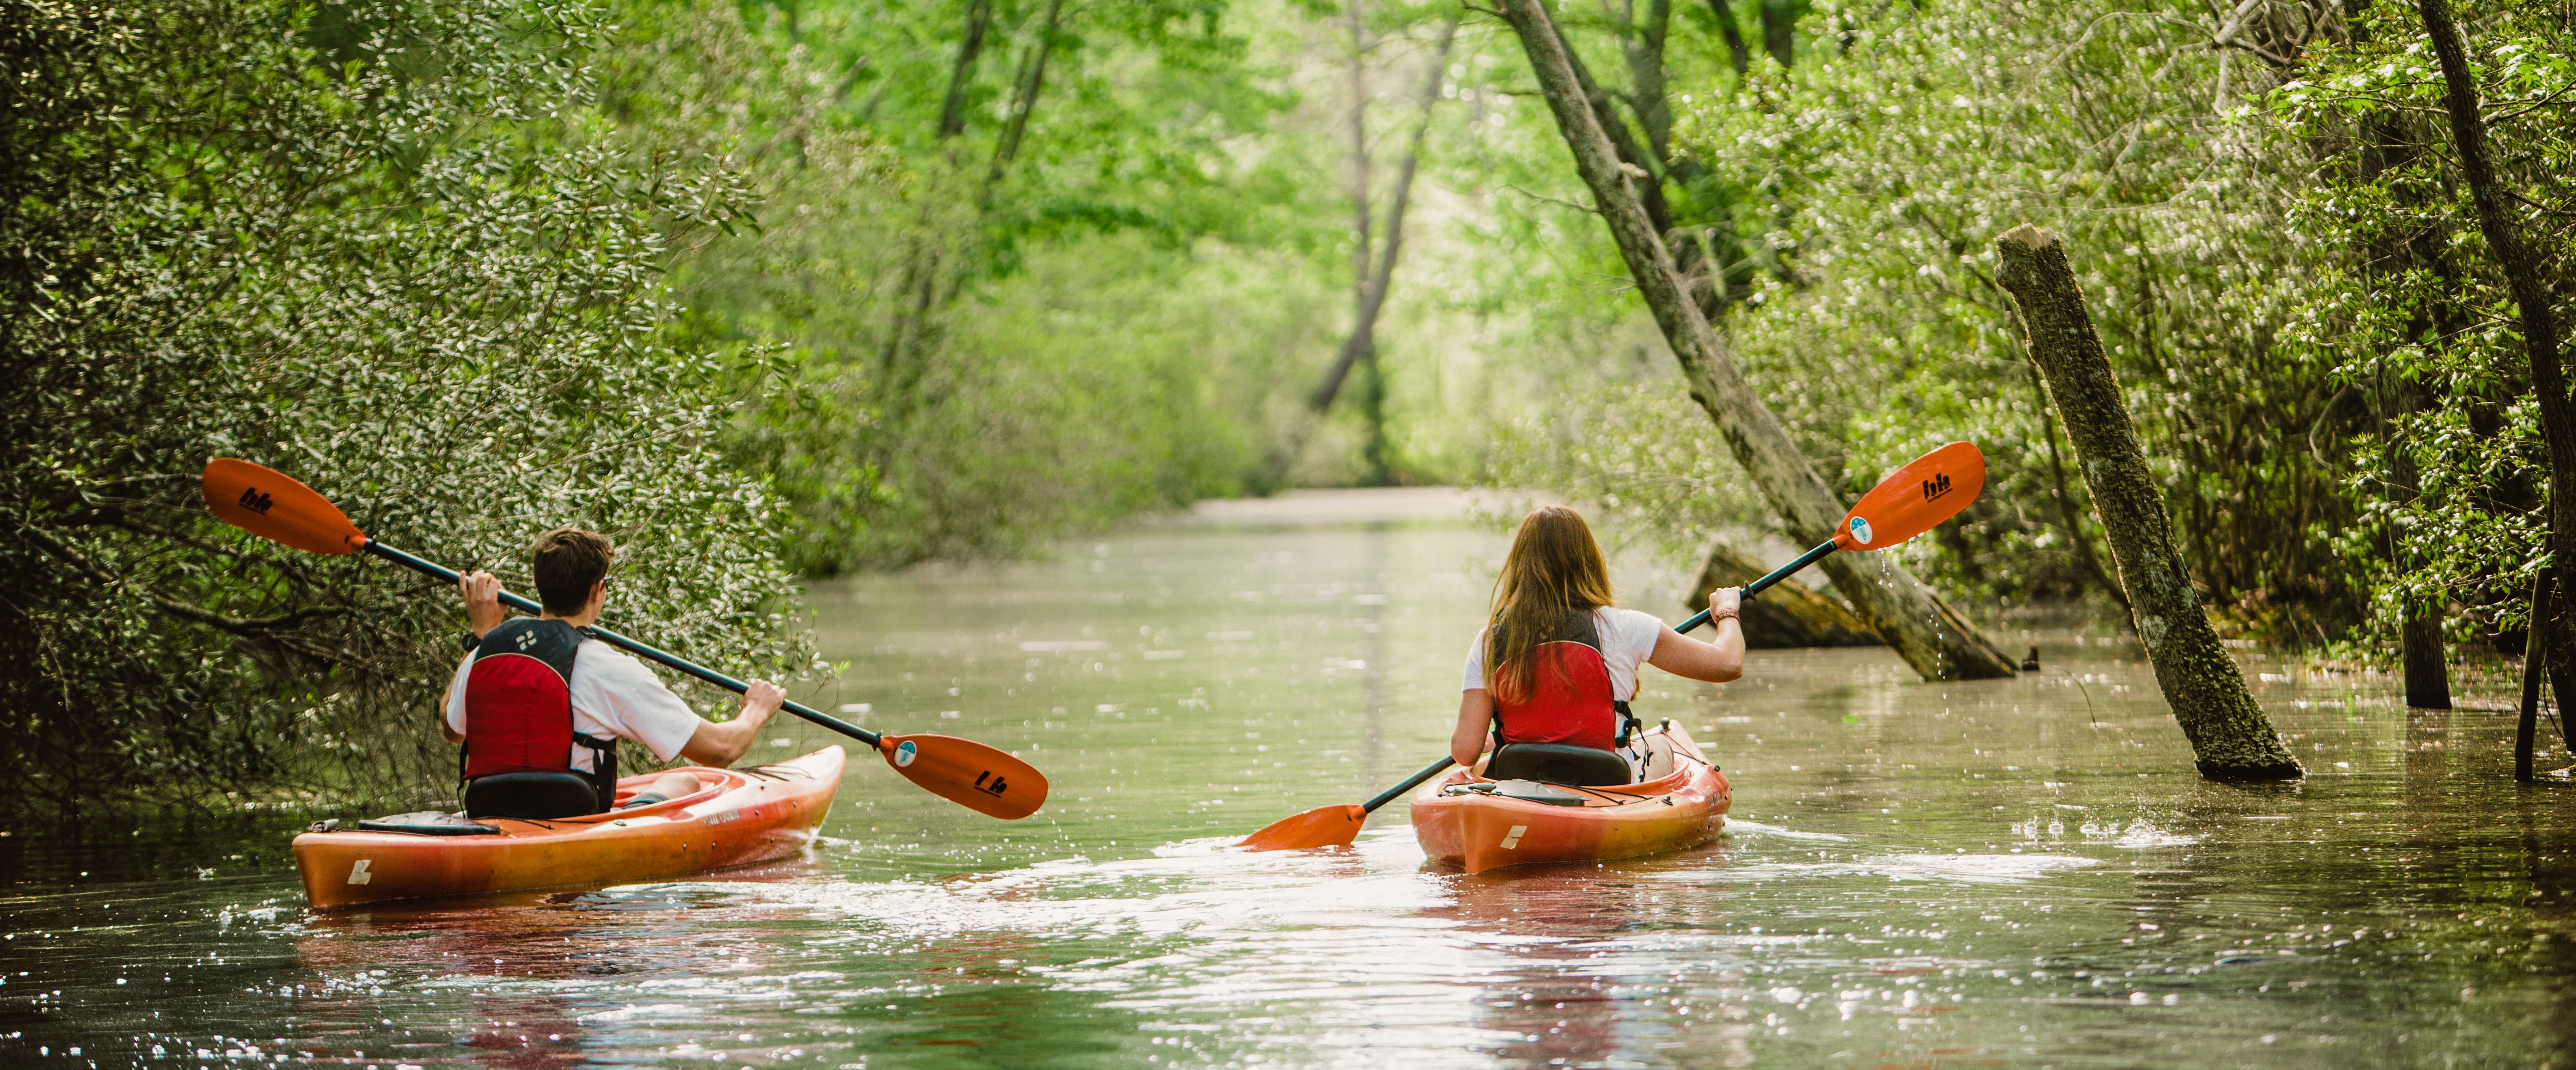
point(612, 695)
point(1628, 638)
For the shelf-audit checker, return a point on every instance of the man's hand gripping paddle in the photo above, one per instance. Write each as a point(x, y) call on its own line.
point(1910, 501)
point(980, 778)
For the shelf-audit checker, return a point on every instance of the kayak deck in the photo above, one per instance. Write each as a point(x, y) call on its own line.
point(743, 816)
point(1681, 804)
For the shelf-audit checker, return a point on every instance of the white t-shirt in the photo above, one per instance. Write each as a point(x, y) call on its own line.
point(1628, 637)
point(612, 695)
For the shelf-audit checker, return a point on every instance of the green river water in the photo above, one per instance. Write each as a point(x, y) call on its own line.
point(2012, 873)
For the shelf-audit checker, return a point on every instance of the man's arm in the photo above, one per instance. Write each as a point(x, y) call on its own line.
point(483, 612)
point(449, 703)
point(720, 745)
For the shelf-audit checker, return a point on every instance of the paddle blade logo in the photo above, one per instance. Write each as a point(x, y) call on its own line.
point(274, 506)
point(984, 779)
point(1911, 500)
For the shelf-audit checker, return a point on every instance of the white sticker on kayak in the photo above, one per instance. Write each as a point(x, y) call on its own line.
point(1512, 839)
point(904, 753)
point(1860, 531)
point(358, 873)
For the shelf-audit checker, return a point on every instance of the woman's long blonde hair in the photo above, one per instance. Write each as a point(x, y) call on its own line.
point(1554, 569)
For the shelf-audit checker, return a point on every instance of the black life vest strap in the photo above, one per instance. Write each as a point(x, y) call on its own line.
point(1628, 725)
point(603, 772)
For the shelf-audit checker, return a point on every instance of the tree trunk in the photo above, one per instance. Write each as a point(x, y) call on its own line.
point(2428, 674)
point(1935, 640)
point(1648, 191)
point(1644, 46)
point(1780, 29)
point(1362, 343)
point(1787, 617)
point(2535, 663)
point(961, 75)
point(2531, 298)
point(2229, 733)
point(1024, 102)
point(1737, 54)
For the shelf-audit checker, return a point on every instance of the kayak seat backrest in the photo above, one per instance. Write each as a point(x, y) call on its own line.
point(531, 794)
point(1557, 763)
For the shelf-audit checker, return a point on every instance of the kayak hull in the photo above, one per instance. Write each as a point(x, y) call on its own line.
point(743, 816)
point(1478, 832)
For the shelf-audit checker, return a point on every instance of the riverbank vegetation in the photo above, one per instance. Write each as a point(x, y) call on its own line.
point(810, 286)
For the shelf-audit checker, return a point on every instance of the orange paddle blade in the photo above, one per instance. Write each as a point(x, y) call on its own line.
point(1915, 498)
point(984, 779)
point(1323, 826)
point(276, 507)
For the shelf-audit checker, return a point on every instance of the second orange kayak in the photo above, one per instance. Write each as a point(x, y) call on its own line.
point(744, 816)
point(1464, 820)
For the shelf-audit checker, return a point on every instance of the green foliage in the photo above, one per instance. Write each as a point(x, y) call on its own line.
point(1876, 174)
point(1051, 316)
point(391, 249)
point(2412, 310)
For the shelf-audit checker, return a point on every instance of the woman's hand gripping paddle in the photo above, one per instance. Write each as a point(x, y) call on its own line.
point(1910, 501)
point(272, 506)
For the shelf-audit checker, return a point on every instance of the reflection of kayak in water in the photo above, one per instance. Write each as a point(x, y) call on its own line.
point(1477, 824)
point(740, 816)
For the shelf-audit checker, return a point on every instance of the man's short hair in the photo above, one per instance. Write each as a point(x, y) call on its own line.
point(569, 561)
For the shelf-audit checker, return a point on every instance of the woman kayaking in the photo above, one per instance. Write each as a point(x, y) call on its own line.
point(1556, 662)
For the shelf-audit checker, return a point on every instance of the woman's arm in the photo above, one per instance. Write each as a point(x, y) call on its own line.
point(1716, 662)
point(1475, 726)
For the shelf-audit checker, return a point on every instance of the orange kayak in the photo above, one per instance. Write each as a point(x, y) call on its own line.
point(1477, 824)
point(743, 816)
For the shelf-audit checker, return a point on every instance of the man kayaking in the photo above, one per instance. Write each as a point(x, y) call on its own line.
point(1550, 675)
point(539, 708)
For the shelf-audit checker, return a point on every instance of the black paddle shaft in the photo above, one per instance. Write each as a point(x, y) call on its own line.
point(1763, 584)
point(631, 646)
point(1410, 783)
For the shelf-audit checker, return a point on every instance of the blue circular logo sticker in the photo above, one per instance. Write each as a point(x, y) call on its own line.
point(904, 753)
point(1860, 531)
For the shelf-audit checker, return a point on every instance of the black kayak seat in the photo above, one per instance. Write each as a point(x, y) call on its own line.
point(428, 823)
point(1558, 763)
point(534, 795)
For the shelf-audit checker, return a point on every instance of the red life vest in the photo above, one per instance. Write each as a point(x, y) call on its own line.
point(518, 706)
point(1570, 700)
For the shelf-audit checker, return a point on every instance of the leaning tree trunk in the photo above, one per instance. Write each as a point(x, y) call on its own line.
point(2525, 274)
point(2229, 733)
point(1930, 636)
